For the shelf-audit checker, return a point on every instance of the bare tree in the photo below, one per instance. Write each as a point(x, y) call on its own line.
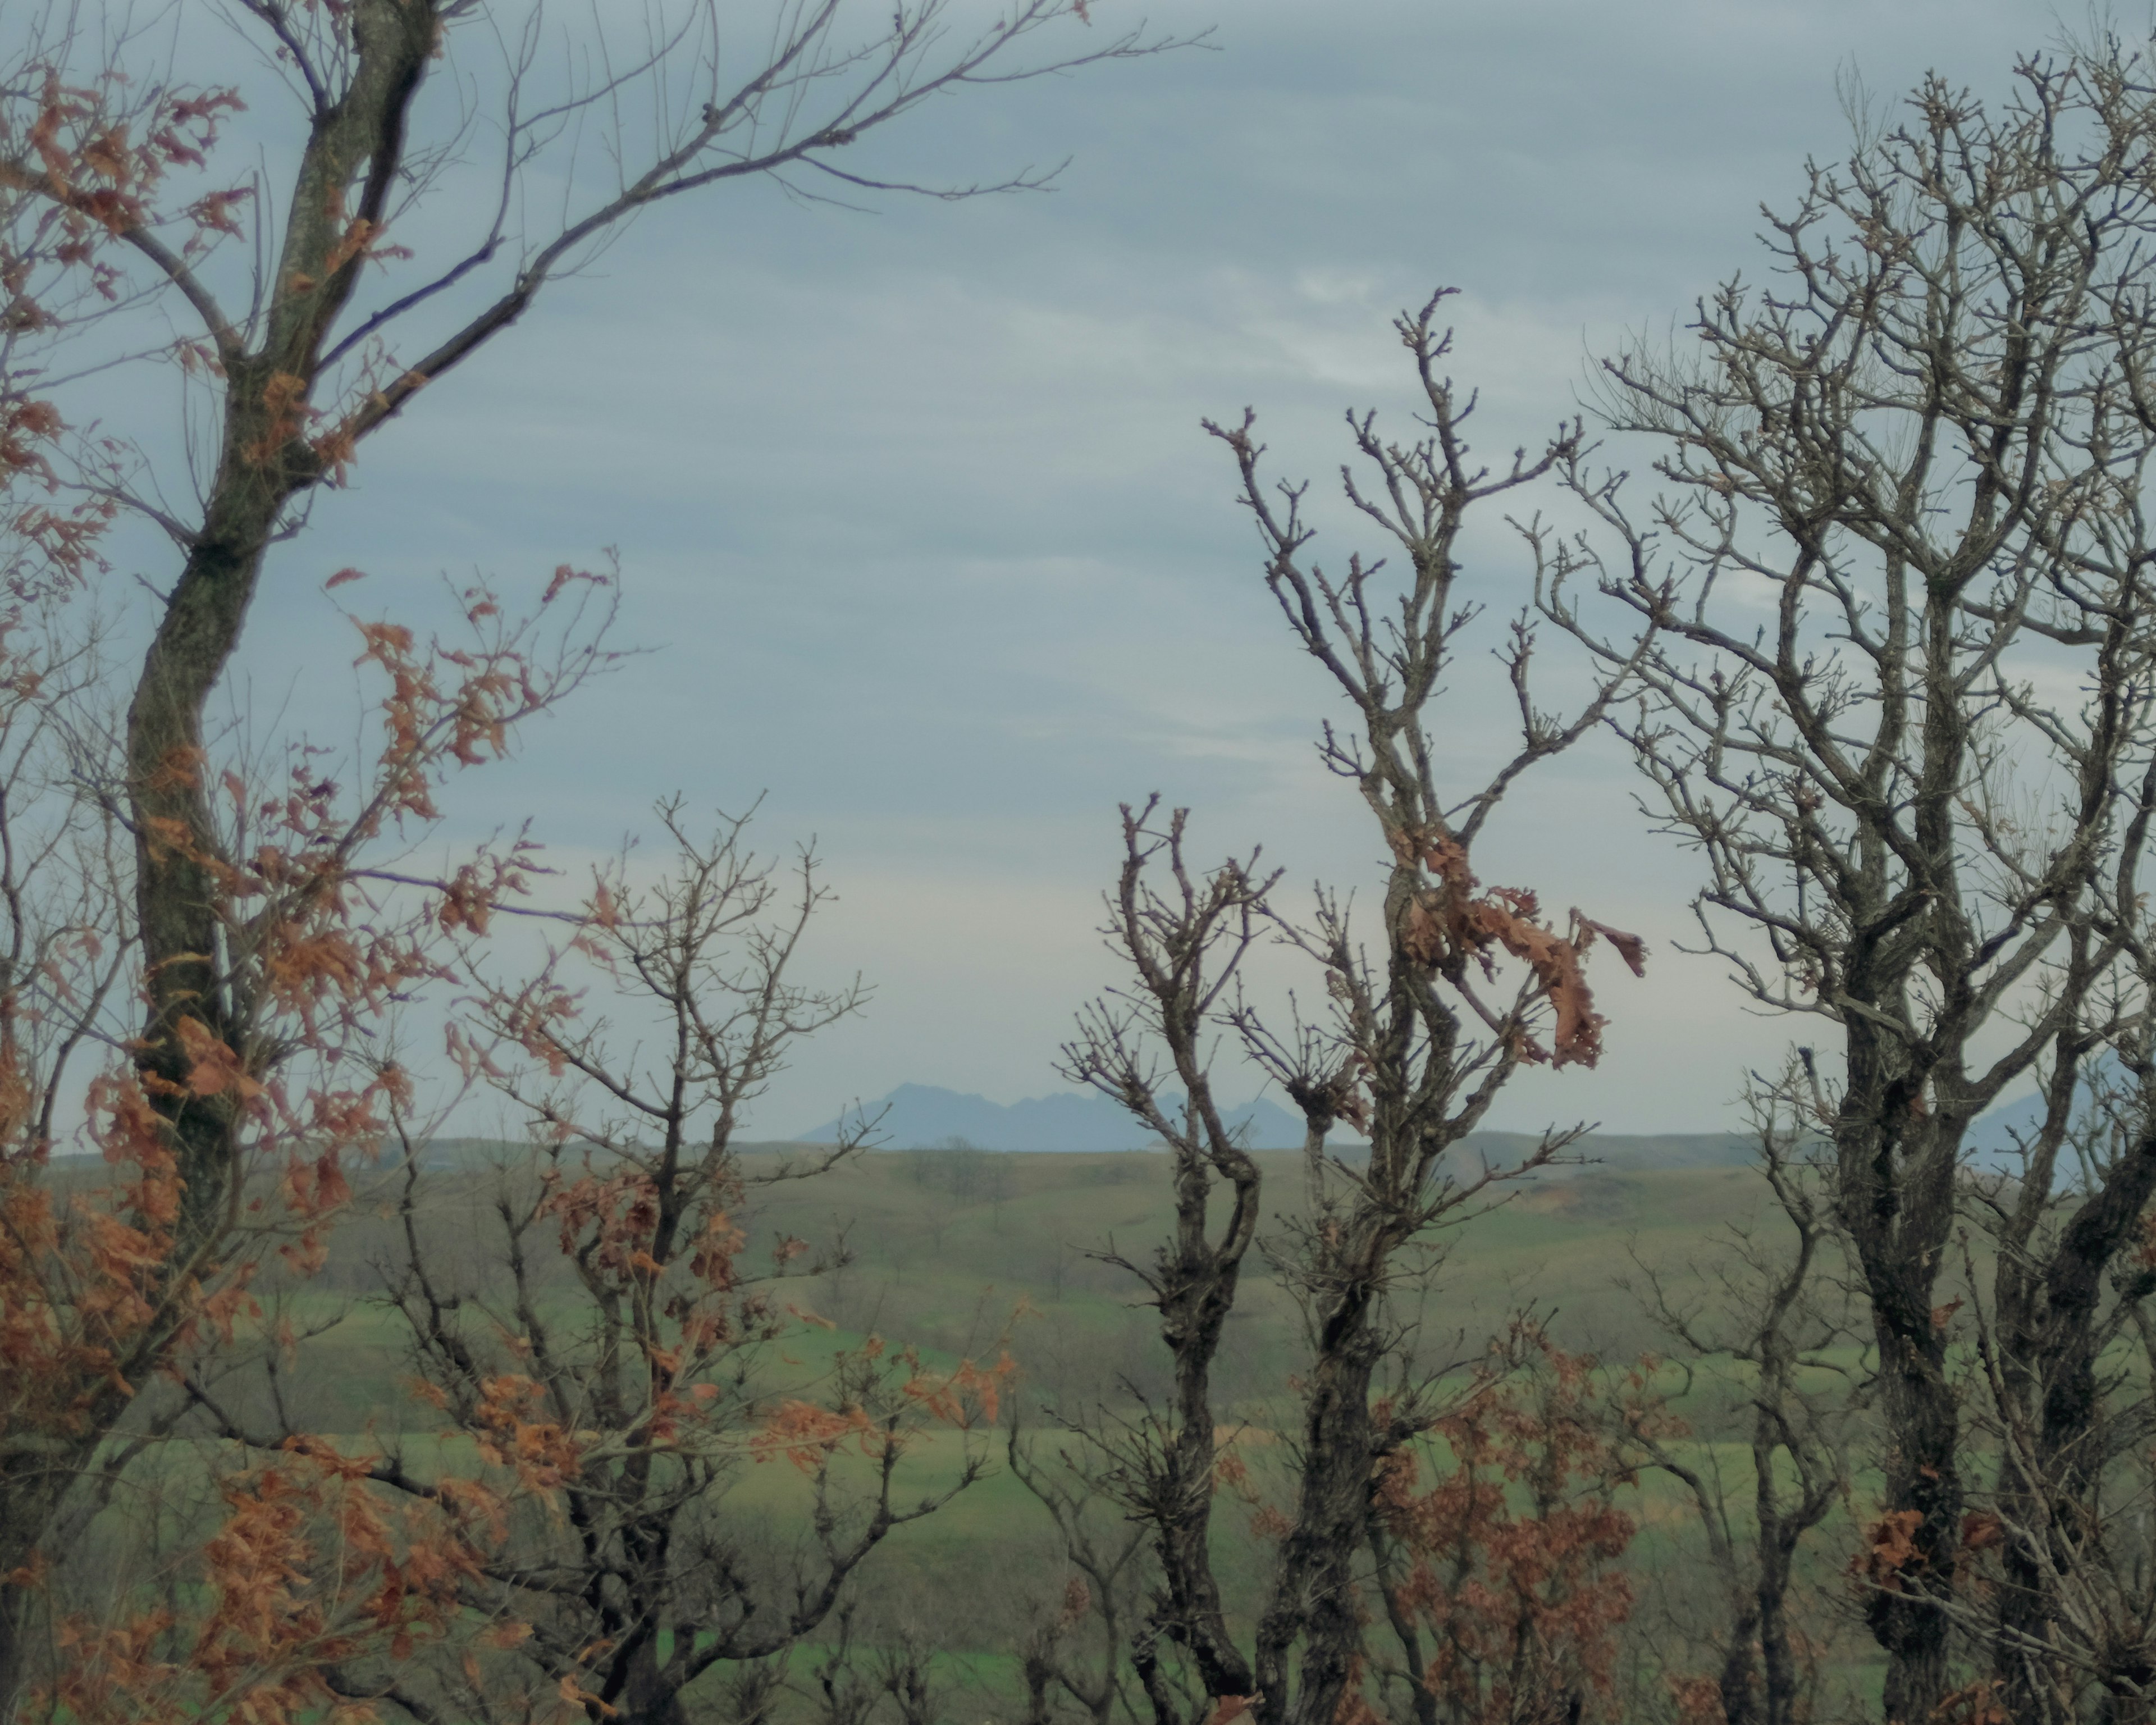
point(1900, 700)
point(1777, 1310)
point(2064, 1530)
point(293, 355)
point(1418, 1043)
point(613, 1354)
point(1079, 1645)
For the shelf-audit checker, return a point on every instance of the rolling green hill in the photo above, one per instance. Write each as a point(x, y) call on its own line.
point(952, 1251)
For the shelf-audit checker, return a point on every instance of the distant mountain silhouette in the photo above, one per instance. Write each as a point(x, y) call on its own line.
point(920, 1115)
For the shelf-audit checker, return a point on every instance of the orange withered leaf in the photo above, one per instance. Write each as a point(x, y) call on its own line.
point(805, 1434)
point(213, 1066)
point(1891, 1546)
point(1629, 947)
point(577, 1695)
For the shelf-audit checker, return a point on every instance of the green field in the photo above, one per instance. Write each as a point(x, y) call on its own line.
point(960, 1254)
point(953, 1255)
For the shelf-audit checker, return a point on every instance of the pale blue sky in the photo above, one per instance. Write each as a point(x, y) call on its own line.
point(915, 513)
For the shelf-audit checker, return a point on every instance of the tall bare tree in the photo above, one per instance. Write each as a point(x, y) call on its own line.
point(1901, 699)
point(1421, 1040)
point(299, 361)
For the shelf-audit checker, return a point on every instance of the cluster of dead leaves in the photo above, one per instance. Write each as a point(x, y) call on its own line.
point(87, 161)
point(97, 157)
point(508, 1430)
point(808, 1435)
point(79, 1283)
point(80, 145)
point(966, 1396)
point(308, 1567)
point(95, 1289)
point(1894, 1553)
point(1448, 923)
point(1513, 1552)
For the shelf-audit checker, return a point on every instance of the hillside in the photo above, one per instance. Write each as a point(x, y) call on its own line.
point(917, 1116)
point(942, 1248)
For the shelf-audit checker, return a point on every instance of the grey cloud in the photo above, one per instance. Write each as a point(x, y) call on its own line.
point(916, 517)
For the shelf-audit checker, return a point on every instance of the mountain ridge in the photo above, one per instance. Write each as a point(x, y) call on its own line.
point(925, 1116)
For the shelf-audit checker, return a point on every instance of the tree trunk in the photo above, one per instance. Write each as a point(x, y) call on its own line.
point(1896, 1200)
point(1197, 1292)
point(1779, 1690)
point(264, 460)
point(648, 1697)
point(1315, 1595)
point(2047, 1325)
point(175, 843)
point(1924, 1478)
point(1738, 1682)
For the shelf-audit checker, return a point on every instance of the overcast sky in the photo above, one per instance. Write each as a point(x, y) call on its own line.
point(916, 518)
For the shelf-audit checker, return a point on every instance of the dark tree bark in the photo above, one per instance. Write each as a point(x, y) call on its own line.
point(1184, 950)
